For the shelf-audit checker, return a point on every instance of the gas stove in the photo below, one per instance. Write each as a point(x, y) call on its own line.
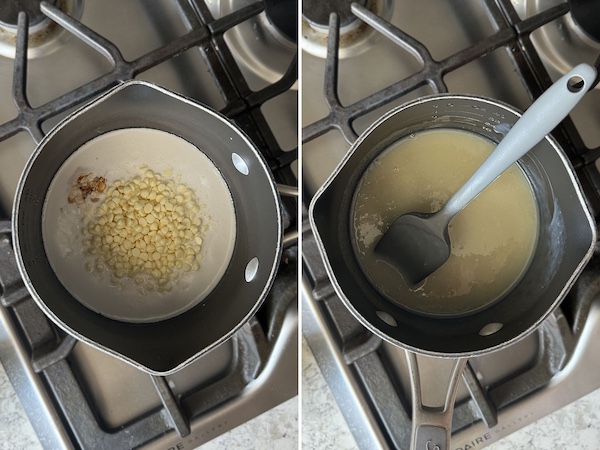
point(236, 56)
point(374, 55)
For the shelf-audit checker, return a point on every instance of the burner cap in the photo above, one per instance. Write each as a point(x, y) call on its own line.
point(283, 15)
point(317, 12)
point(10, 9)
point(586, 14)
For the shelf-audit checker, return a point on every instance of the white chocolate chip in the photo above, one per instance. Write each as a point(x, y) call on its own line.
point(145, 227)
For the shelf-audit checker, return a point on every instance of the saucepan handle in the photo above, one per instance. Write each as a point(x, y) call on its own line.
point(432, 423)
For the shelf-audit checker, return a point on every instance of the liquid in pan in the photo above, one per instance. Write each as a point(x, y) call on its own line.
point(120, 155)
point(493, 238)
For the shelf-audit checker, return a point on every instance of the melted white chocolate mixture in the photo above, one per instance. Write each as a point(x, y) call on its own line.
point(492, 239)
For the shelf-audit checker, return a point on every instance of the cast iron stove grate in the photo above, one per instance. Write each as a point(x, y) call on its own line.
point(363, 356)
point(48, 347)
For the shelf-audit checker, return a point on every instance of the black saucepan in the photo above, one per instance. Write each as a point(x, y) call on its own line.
point(157, 346)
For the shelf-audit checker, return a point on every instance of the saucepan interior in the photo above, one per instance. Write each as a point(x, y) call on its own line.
point(565, 237)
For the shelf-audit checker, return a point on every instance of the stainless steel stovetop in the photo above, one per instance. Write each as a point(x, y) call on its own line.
point(386, 53)
point(228, 55)
point(78, 397)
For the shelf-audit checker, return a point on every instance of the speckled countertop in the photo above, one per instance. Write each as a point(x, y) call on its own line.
point(576, 426)
point(276, 429)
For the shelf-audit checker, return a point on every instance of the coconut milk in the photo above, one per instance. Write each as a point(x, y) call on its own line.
point(119, 155)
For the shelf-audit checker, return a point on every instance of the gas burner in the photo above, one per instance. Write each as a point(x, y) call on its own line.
point(585, 14)
point(283, 15)
point(569, 40)
point(356, 37)
point(9, 12)
point(317, 13)
point(265, 44)
point(45, 36)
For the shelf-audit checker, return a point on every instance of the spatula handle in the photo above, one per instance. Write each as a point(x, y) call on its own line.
point(539, 120)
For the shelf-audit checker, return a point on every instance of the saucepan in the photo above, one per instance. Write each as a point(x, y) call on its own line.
point(565, 239)
point(133, 133)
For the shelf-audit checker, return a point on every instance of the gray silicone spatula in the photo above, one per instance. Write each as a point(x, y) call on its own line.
point(417, 244)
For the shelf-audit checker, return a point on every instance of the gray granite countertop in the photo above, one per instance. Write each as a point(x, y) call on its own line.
point(576, 426)
point(276, 429)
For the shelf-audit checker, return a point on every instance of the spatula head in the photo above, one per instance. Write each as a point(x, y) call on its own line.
point(416, 245)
